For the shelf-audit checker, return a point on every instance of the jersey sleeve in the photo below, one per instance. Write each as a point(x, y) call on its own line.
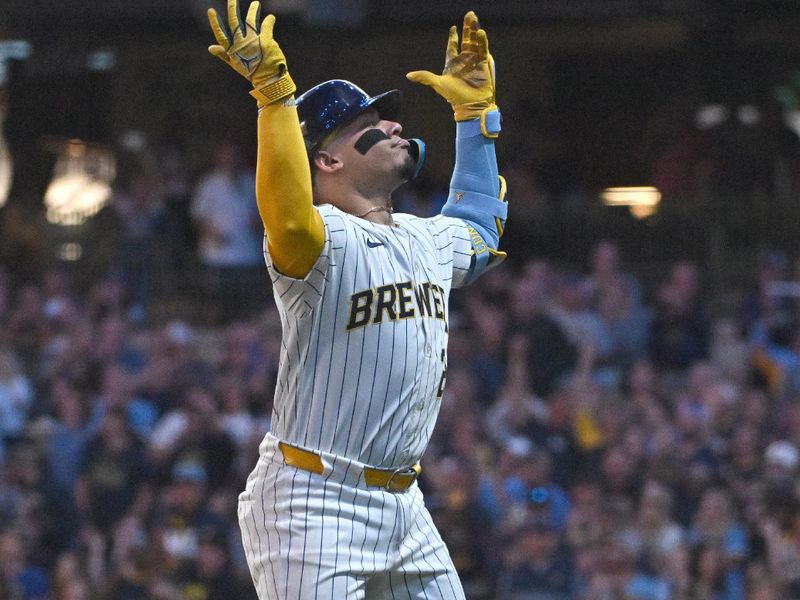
point(453, 247)
point(300, 296)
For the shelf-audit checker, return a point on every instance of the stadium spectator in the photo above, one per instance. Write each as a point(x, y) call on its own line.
point(680, 326)
point(139, 206)
point(16, 397)
point(656, 537)
point(718, 538)
point(606, 271)
point(537, 565)
point(229, 233)
point(113, 476)
point(618, 576)
point(20, 579)
point(69, 434)
point(550, 356)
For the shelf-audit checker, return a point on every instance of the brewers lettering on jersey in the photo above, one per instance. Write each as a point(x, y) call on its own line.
point(332, 508)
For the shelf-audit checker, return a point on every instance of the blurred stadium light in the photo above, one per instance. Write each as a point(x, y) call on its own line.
point(642, 201)
point(711, 115)
point(81, 184)
point(6, 163)
point(101, 60)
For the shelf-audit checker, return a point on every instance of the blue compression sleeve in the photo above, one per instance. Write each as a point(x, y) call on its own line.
point(475, 187)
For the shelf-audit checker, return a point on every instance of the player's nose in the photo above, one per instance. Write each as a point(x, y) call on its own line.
point(393, 128)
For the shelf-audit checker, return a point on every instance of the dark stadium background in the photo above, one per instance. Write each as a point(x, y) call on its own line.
point(594, 94)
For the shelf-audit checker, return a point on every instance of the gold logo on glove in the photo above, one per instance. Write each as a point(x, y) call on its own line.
point(247, 62)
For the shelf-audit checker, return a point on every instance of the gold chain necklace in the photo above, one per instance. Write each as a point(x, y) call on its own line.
point(376, 209)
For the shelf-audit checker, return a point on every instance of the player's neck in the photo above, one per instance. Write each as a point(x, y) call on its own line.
point(372, 204)
point(375, 207)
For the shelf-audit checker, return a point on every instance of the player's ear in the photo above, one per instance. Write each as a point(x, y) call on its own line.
point(326, 162)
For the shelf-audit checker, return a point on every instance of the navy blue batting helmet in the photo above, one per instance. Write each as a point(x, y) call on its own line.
point(333, 103)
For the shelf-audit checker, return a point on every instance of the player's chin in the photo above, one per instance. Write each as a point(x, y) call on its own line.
point(407, 168)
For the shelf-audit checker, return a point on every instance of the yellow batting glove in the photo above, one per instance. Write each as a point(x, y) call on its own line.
point(252, 51)
point(467, 81)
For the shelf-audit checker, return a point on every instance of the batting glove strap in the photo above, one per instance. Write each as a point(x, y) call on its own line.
point(491, 122)
point(488, 124)
point(277, 90)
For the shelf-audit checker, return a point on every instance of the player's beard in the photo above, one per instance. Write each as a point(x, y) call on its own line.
point(408, 168)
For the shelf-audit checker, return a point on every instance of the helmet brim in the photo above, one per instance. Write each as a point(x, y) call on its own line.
point(386, 104)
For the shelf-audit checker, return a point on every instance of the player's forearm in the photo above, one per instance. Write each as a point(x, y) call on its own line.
point(477, 191)
point(476, 162)
point(294, 228)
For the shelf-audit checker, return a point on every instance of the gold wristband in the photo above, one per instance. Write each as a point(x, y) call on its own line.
point(272, 92)
point(471, 110)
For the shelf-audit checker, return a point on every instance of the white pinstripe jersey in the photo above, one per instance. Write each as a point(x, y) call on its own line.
point(364, 346)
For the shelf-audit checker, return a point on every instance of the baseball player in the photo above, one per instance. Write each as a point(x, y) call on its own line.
point(332, 508)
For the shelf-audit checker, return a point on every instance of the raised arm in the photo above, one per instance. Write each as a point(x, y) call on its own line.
point(295, 232)
point(477, 191)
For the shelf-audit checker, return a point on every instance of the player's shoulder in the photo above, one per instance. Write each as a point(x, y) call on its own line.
point(335, 219)
point(327, 211)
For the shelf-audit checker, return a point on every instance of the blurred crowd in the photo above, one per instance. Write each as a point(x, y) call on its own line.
point(605, 433)
point(597, 439)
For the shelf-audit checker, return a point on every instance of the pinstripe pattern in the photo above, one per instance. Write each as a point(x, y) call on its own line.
point(328, 537)
point(335, 392)
point(359, 392)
